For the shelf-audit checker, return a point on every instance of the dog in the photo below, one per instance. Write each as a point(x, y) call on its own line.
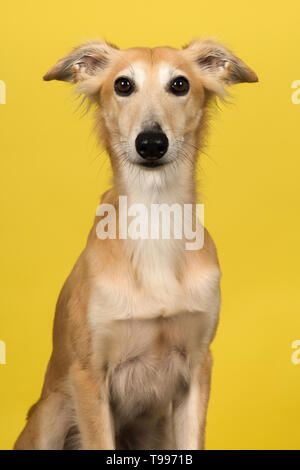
point(131, 361)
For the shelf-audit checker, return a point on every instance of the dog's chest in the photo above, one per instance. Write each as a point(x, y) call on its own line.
point(148, 340)
point(161, 296)
point(149, 361)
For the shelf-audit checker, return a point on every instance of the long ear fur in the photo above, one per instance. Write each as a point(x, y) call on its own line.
point(218, 66)
point(84, 64)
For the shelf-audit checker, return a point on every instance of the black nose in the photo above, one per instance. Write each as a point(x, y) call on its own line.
point(151, 145)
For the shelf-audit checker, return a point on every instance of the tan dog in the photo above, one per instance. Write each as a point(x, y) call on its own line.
point(131, 365)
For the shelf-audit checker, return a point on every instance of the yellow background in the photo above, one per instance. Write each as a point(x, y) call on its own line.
point(52, 174)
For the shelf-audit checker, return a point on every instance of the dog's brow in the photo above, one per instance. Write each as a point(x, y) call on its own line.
point(166, 71)
point(136, 71)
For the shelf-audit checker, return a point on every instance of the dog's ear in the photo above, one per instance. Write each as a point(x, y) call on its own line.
point(217, 66)
point(83, 63)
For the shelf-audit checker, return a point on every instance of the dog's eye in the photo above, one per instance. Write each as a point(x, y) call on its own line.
point(179, 86)
point(123, 86)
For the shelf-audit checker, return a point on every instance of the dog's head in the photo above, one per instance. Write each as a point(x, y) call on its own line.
point(152, 101)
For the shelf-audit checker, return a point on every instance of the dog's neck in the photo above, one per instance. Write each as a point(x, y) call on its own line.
point(172, 184)
point(156, 262)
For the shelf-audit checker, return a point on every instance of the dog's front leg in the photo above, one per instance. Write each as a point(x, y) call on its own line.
point(92, 409)
point(189, 413)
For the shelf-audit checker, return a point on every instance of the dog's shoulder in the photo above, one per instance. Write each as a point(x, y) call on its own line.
point(206, 258)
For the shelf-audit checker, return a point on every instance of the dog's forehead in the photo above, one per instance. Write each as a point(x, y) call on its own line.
point(143, 63)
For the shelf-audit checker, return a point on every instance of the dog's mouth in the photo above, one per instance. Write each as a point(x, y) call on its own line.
point(152, 164)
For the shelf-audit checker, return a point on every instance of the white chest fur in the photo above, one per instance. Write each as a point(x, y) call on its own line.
point(149, 337)
point(165, 296)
